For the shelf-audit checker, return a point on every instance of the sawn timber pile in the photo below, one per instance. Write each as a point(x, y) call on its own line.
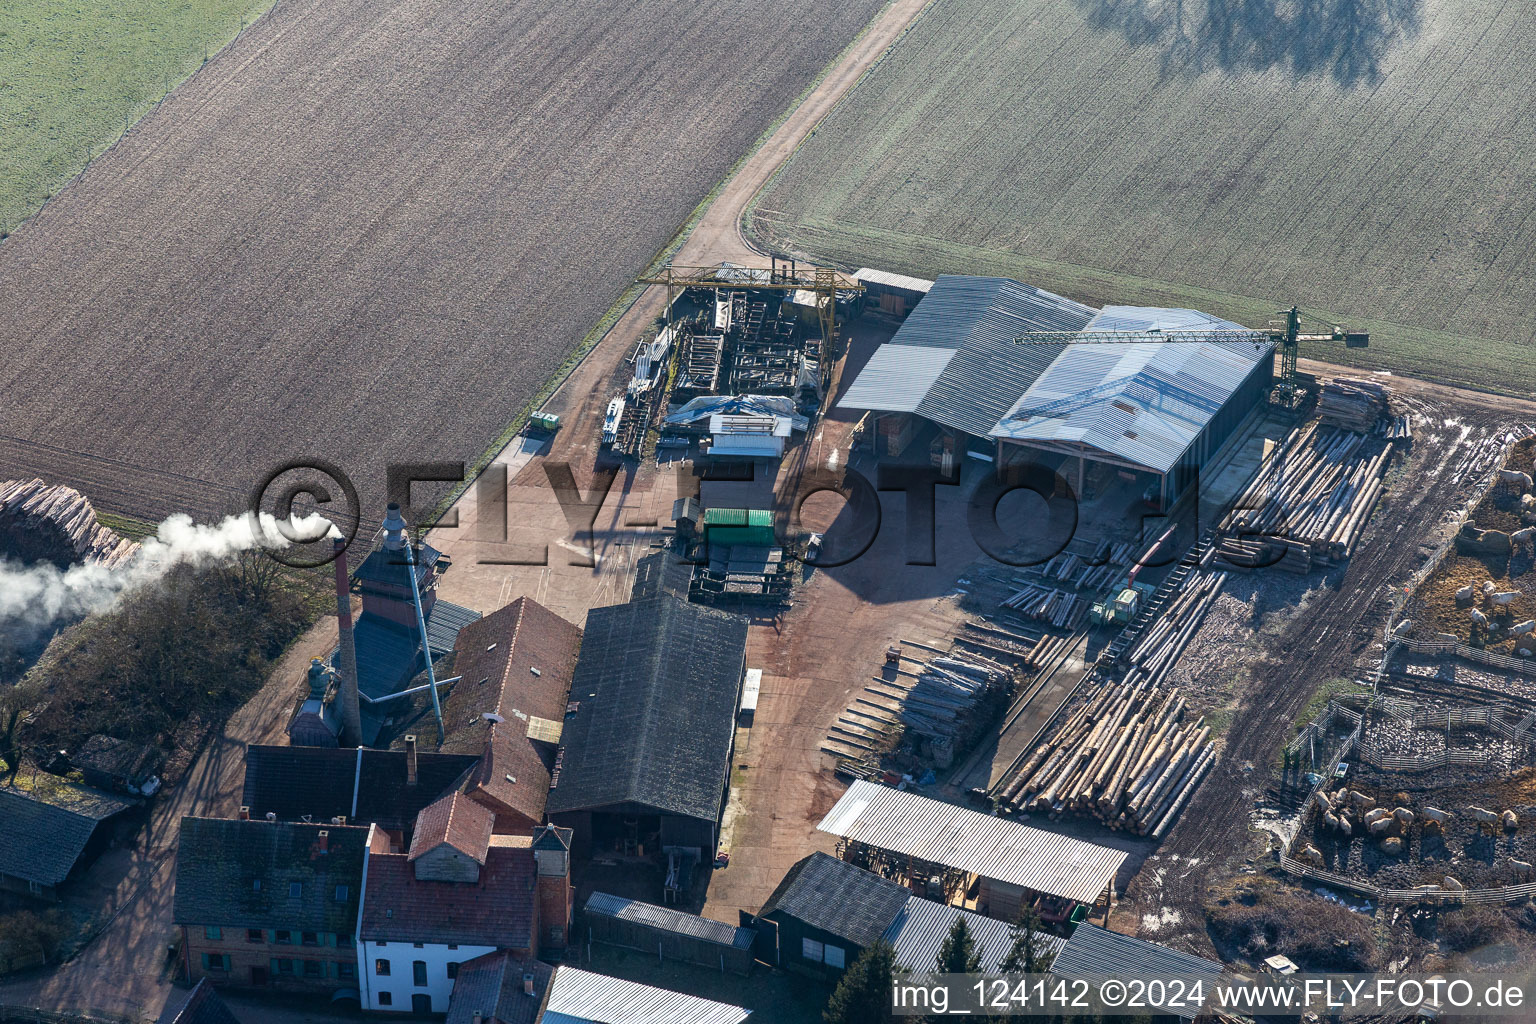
point(1353, 404)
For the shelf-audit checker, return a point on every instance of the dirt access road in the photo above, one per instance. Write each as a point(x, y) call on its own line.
point(1335, 636)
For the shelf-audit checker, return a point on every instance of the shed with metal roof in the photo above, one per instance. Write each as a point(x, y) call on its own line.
point(581, 997)
point(1013, 863)
point(667, 933)
point(1095, 952)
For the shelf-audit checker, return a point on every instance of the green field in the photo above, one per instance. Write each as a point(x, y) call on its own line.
point(1370, 160)
point(75, 73)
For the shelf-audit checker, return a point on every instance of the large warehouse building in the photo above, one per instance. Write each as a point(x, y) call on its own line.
point(1143, 409)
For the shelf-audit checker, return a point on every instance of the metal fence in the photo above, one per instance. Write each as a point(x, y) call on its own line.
point(1426, 894)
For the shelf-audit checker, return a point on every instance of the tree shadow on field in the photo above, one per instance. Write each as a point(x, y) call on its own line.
point(1345, 39)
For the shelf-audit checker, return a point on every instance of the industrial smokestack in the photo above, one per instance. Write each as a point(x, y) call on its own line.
point(410, 760)
point(351, 715)
point(394, 527)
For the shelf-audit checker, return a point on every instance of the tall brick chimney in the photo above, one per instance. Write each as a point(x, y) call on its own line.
point(552, 853)
point(410, 760)
point(351, 714)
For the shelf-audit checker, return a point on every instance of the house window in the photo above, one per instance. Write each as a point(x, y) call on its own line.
point(381, 968)
point(283, 937)
point(811, 950)
point(453, 971)
point(419, 973)
point(314, 969)
point(216, 962)
point(345, 970)
point(556, 934)
point(212, 933)
point(453, 945)
point(285, 966)
point(255, 885)
point(386, 999)
point(419, 945)
point(255, 935)
point(341, 894)
point(344, 941)
point(295, 890)
point(35, 888)
point(309, 938)
point(834, 956)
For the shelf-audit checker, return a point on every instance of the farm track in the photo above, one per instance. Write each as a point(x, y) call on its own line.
point(369, 233)
point(1326, 640)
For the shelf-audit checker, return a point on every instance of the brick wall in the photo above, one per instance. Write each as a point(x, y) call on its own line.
point(247, 958)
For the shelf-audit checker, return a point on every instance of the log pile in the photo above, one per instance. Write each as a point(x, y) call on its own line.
point(1041, 603)
point(1158, 648)
point(1245, 555)
point(953, 698)
point(60, 514)
point(1319, 490)
point(1351, 403)
point(1126, 756)
point(1029, 652)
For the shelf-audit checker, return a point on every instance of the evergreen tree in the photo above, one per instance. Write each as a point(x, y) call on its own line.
point(1028, 953)
point(958, 954)
point(863, 995)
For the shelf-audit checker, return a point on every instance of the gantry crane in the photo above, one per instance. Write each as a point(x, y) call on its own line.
point(782, 275)
point(1286, 335)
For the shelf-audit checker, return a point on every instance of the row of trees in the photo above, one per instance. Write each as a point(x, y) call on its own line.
point(863, 995)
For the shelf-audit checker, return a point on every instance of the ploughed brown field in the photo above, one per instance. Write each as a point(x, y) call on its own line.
point(368, 231)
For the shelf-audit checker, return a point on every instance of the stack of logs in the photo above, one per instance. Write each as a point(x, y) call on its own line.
point(1318, 491)
point(34, 506)
point(1030, 653)
point(1245, 554)
point(1047, 604)
point(1159, 646)
point(1125, 756)
point(1353, 404)
point(953, 699)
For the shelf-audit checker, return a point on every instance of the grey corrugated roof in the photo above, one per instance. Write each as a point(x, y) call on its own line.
point(961, 838)
point(923, 925)
point(666, 919)
point(1094, 951)
point(1145, 403)
point(581, 997)
point(1158, 318)
point(979, 319)
point(897, 378)
point(867, 276)
point(200, 1006)
point(837, 897)
point(655, 692)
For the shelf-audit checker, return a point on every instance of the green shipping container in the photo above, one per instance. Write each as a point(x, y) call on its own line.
point(739, 526)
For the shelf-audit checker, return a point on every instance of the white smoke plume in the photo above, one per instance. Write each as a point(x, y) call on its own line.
point(33, 598)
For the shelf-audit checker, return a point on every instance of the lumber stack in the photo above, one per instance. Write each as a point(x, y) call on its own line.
point(1270, 552)
point(1043, 603)
point(950, 699)
point(1352, 403)
point(1127, 756)
point(1158, 647)
point(1030, 652)
point(1318, 490)
point(55, 512)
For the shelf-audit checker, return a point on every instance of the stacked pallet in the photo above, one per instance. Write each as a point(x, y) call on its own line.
point(1126, 756)
point(1351, 403)
point(55, 512)
point(1158, 648)
point(1318, 490)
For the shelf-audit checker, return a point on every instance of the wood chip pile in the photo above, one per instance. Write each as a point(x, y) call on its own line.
point(1126, 756)
point(32, 505)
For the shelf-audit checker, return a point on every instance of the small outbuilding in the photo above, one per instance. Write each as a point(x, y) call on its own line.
point(669, 934)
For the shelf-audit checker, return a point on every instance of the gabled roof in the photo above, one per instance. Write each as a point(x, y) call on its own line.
point(958, 837)
point(654, 700)
point(459, 822)
point(838, 898)
point(495, 911)
point(1096, 951)
point(46, 823)
point(920, 929)
point(492, 986)
point(602, 904)
point(324, 782)
point(976, 320)
point(581, 997)
point(220, 862)
point(201, 1005)
point(515, 664)
point(1143, 403)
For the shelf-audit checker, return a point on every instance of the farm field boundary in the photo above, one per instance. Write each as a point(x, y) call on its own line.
point(1202, 162)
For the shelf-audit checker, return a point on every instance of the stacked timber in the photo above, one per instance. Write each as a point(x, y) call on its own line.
point(1158, 647)
point(1270, 552)
point(950, 699)
point(1031, 652)
point(1126, 756)
point(1042, 603)
point(1351, 403)
point(1319, 490)
point(55, 513)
